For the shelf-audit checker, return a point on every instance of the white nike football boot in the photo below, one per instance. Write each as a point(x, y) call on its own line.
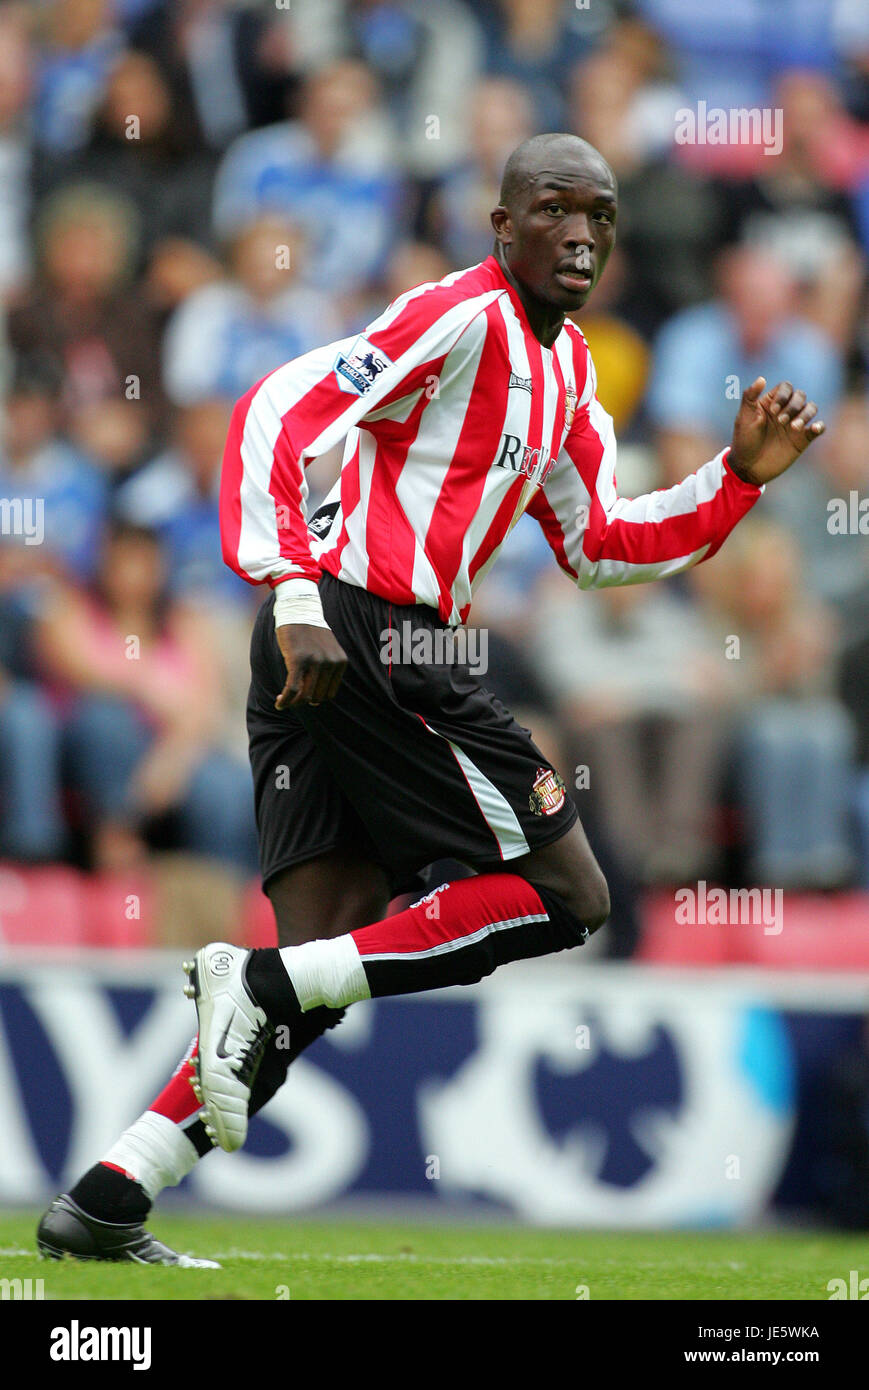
point(233, 1031)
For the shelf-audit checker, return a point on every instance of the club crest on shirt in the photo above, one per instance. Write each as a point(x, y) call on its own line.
point(570, 404)
point(547, 792)
point(358, 369)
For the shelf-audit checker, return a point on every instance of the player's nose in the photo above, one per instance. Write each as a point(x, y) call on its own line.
point(578, 232)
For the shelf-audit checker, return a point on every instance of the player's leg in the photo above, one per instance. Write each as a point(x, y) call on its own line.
point(318, 872)
point(324, 897)
point(102, 1215)
point(453, 936)
point(548, 900)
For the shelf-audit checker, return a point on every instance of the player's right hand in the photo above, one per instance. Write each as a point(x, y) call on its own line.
point(316, 663)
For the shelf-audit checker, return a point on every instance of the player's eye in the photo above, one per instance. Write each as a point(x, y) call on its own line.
point(606, 217)
point(554, 207)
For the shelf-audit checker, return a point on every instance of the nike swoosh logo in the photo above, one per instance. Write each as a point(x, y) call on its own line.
point(221, 1052)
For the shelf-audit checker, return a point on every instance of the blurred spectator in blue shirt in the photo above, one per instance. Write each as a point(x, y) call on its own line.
point(16, 138)
point(81, 44)
point(226, 336)
point(536, 42)
point(502, 116)
point(333, 171)
point(38, 466)
point(793, 742)
point(426, 59)
point(176, 495)
point(728, 55)
point(706, 356)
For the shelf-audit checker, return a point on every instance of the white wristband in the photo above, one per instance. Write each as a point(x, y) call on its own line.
point(298, 601)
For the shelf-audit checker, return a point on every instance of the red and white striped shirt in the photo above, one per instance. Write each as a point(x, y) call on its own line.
point(457, 420)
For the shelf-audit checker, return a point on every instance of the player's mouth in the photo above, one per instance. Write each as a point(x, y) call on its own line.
point(572, 279)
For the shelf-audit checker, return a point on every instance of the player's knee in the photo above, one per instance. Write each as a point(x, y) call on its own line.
point(359, 908)
point(298, 922)
point(589, 900)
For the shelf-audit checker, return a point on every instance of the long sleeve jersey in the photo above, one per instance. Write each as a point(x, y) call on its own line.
point(456, 420)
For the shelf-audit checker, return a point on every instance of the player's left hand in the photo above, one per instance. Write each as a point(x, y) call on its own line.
point(772, 428)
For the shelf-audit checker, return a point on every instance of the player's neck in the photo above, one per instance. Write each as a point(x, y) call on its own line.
point(545, 320)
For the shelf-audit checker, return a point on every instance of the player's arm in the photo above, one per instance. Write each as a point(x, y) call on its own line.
point(295, 414)
point(601, 539)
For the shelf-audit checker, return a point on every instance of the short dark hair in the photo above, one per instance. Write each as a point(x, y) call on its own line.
point(524, 162)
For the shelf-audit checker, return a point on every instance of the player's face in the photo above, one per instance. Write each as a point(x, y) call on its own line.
point(557, 241)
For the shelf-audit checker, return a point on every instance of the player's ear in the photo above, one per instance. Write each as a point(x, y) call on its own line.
point(502, 224)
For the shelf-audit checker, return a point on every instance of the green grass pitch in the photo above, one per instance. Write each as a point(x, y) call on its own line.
point(377, 1261)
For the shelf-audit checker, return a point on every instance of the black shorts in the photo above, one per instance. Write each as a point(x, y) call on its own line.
point(415, 760)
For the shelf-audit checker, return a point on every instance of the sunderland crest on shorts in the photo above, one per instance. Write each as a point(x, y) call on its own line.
point(547, 793)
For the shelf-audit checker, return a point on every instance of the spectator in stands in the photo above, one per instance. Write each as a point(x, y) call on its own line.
point(633, 675)
point(31, 817)
point(84, 307)
point(797, 207)
point(139, 144)
point(793, 741)
point(536, 42)
point(42, 470)
point(178, 267)
point(228, 335)
point(622, 100)
point(501, 117)
point(80, 44)
point(333, 171)
point(820, 507)
point(16, 138)
point(176, 494)
point(425, 58)
point(138, 682)
point(706, 356)
point(622, 97)
point(854, 690)
point(228, 65)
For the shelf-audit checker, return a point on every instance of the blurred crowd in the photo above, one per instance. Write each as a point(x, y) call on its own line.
point(194, 191)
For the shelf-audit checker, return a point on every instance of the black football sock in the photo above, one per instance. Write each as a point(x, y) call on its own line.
point(271, 988)
point(109, 1195)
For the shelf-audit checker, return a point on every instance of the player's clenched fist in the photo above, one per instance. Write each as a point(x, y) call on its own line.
point(772, 429)
point(316, 663)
